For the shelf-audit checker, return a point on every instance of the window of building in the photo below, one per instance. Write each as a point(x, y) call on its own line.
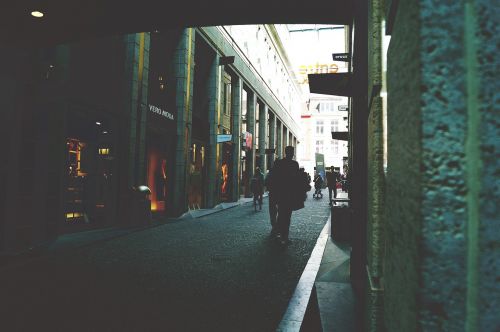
point(335, 146)
point(334, 125)
point(319, 146)
point(319, 127)
point(326, 107)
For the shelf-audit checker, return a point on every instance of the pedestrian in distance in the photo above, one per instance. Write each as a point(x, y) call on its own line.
point(288, 188)
point(318, 184)
point(331, 181)
point(304, 181)
point(257, 187)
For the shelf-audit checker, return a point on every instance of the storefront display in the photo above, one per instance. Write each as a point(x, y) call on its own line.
point(226, 171)
point(161, 121)
point(157, 178)
point(196, 176)
point(89, 171)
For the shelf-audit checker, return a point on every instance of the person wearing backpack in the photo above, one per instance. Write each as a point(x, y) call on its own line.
point(286, 182)
point(257, 188)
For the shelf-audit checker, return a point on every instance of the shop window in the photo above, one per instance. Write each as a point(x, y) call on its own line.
point(157, 177)
point(88, 171)
point(226, 170)
point(196, 176)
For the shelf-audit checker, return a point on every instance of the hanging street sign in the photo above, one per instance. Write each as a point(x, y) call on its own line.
point(346, 57)
point(224, 138)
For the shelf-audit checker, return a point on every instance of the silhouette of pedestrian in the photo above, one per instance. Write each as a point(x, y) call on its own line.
point(257, 187)
point(331, 181)
point(285, 180)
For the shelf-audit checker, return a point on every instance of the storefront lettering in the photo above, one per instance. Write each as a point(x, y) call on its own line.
point(161, 112)
point(316, 69)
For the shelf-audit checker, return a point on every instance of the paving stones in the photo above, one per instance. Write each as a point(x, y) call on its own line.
point(220, 272)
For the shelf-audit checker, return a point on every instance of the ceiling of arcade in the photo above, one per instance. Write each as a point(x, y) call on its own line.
point(69, 20)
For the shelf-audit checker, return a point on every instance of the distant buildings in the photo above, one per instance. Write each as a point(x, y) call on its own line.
point(326, 114)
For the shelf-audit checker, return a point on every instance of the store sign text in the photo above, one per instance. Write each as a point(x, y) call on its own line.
point(161, 112)
point(317, 68)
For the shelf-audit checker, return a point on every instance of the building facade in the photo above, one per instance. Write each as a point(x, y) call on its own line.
point(189, 113)
point(326, 114)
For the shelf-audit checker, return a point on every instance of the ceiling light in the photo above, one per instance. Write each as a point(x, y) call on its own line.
point(37, 14)
point(98, 123)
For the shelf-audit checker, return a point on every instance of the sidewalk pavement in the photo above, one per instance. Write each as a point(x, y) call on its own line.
point(70, 241)
point(323, 290)
point(219, 207)
point(323, 299)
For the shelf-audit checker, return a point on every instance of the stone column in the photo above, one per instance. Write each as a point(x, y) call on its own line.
point(285, 139)
point(263, 136)
point(441, 257)
point(251, 109)
point(214, 149)
point(376, 186)
point(32, 128)
point(136, 80)
point(279, 147)
point(237, 88)
point(183, 83)
point(272, 137)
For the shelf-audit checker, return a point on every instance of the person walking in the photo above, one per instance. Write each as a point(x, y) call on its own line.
point(303, 187)
point(285, 179)
point(331, 181)
point(257, 187)
point(318, 185)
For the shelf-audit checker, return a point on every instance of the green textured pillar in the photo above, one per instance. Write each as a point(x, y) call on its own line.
point(482, 148)
point(272, 136)
point(136, 93)
point(279, 132)
point(213, 160)
point(285, 139)
point(32, 125)
point(237, 88)
point(251, 109)
point(441, 265)
point(376, 190)
point(183, 76)
point(263, 144)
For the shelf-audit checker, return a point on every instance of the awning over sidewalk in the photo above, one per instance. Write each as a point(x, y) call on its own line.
point(338, 84)
point(340, 135)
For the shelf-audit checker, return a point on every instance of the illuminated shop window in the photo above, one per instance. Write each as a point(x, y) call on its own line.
point(89, 164)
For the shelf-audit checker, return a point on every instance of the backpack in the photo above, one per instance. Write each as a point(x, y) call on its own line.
point(254, 184)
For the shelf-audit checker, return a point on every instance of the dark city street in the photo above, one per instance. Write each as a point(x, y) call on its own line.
point(138, 139)
point(220, 272)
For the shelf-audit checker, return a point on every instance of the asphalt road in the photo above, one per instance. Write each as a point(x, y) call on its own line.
point(221, 272)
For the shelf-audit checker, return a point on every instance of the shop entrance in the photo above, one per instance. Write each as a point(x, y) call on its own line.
point(197, 175)
point(226, 172)
point(89, 182)
point(159, 166)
